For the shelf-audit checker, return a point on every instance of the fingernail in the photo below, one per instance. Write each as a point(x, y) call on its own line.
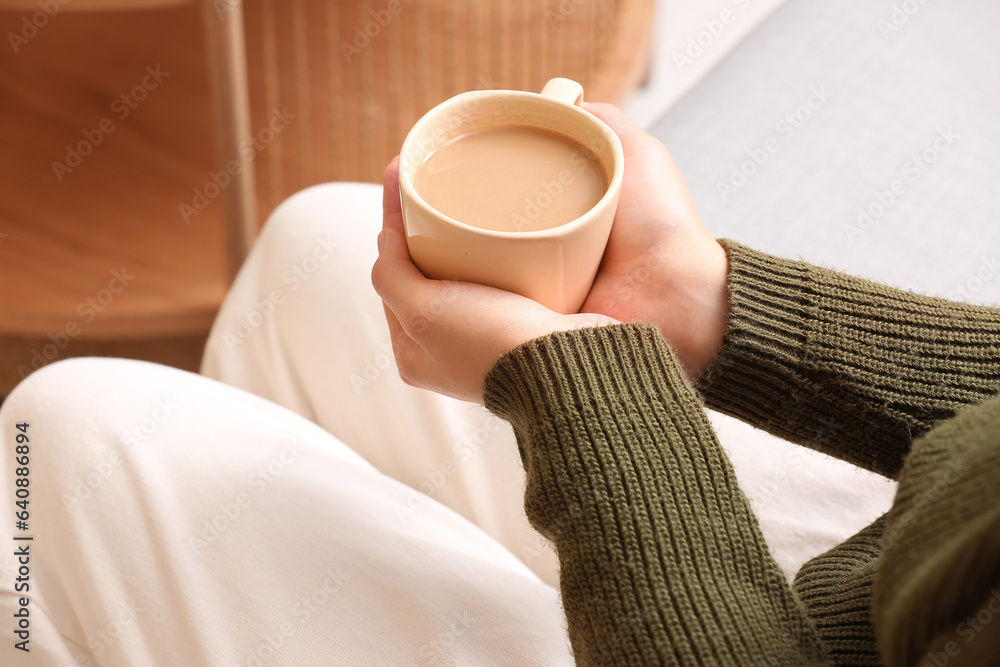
point(381, 239)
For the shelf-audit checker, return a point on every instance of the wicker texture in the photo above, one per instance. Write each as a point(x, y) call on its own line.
point(357, 75)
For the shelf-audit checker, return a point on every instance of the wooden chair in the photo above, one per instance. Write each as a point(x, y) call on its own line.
point(113, 113)
point(96, 180)
point(357, 75)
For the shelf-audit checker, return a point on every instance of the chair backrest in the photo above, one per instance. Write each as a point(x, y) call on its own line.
point(87, 5)
point(339, 82)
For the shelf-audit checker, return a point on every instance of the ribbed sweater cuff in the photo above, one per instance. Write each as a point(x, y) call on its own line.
point(845, 365)
point(766, 336)
point(662, 561)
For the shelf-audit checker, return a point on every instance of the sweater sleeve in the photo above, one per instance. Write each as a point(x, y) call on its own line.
point(844, 365)
point(937, 591)
point(661, 559)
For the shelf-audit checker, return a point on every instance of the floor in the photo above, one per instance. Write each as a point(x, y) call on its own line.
point(690, 39)
point(854, 137)
point(849, 112)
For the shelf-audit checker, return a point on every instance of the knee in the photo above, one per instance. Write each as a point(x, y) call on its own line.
point(56, 387)
point(81, 415)
point(321, 220)
point(49, 423)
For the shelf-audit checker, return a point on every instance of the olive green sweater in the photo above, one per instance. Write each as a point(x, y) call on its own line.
point(661, 558)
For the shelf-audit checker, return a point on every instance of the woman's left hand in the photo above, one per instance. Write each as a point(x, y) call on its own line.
point(446, 336)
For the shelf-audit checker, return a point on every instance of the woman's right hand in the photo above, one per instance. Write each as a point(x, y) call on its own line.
point(661, 265)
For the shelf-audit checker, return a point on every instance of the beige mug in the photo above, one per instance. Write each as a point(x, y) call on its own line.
point(556, 267)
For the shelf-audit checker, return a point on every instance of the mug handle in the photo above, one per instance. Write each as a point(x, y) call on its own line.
point(565, 90)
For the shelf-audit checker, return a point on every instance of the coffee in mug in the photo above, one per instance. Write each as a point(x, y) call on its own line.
point(514, 190)
point(512, 179)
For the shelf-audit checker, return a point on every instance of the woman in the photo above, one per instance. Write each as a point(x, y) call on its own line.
point(661, 558)
point(177, 520)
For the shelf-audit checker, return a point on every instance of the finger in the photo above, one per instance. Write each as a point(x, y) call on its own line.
point(392, 211)
point(405, 351)
point(641, 147)
point(400, 284)
point(616, 119)
point(395, 328)
point(399, 338)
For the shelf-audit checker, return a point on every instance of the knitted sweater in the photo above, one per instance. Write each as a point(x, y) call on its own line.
point(661, 558)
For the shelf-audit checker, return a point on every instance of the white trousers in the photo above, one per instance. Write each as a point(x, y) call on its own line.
point(304, 506)
point(177, 520)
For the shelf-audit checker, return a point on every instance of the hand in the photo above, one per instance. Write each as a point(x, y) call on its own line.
point(446, 336)
point(661, 265)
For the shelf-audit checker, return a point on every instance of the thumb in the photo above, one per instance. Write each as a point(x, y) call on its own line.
point(617, 120)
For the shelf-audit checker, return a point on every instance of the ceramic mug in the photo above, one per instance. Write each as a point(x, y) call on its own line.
point(555, 267)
